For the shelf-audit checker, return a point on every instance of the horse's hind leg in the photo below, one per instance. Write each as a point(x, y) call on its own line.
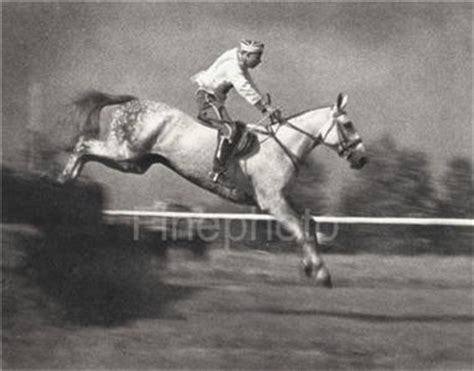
point(94, 149)
point(74, 163)
point(111, 154)
point(312, 260)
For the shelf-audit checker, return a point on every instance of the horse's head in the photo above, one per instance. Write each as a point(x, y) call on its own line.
point(339, 133)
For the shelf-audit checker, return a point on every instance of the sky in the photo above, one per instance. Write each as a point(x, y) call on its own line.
point(406, 67)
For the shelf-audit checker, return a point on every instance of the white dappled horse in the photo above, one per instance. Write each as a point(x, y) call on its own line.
point(141, 133)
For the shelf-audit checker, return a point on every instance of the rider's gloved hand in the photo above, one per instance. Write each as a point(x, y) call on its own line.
point(273, 112)
point(268, 109)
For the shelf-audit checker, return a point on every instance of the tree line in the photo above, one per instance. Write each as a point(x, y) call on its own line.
point(397, 183)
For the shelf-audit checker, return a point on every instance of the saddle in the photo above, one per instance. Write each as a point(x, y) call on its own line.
point(236, 141)
point(242, 140)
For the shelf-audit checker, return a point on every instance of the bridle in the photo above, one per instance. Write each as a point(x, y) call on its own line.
point(345, 145)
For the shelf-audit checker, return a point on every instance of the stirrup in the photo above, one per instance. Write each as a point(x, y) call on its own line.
point(214, 176)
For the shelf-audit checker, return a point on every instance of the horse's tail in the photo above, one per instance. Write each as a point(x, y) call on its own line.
point(88, 106)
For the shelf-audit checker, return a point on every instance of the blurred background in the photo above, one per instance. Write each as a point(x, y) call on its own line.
point(95, 296)
point(407, 68)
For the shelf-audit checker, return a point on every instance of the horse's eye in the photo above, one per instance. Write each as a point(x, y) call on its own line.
point(348, 125)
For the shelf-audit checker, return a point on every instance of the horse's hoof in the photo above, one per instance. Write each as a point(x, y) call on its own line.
point(308, 270)
point(61, 179)
point(326, 282)
point(323, 278)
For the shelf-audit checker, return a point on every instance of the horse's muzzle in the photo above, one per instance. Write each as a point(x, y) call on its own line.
point(360, 164)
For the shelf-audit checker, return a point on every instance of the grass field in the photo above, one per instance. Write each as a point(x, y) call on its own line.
point(236, 309)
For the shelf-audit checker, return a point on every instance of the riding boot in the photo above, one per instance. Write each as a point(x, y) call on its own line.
point(221, 156)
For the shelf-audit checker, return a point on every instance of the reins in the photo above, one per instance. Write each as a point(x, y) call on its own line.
point(271, 133)
point(344, 147)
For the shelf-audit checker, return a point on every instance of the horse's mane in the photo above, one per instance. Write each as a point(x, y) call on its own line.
point(306, 111)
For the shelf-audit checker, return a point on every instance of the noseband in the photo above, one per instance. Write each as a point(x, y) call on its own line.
point(345, 146)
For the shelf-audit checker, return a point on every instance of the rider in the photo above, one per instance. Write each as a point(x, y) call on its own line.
point(230, 70)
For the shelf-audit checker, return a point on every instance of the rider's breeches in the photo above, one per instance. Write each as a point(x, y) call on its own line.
point(213, 113)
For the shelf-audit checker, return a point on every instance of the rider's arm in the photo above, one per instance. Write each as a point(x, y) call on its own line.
point(246, 88)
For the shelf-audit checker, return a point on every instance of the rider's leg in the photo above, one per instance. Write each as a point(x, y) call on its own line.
point(221, 156)
point(228, 126)
point(214, 114)
point(207, 114)
point(224, 143)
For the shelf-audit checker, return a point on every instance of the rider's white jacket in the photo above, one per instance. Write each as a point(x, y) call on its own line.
point(224, 74)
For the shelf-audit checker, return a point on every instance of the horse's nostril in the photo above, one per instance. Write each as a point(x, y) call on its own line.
point(363, 161)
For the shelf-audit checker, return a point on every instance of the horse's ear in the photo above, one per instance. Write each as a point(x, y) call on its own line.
point(341, 101)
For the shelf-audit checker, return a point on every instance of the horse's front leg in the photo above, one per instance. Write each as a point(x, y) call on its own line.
point(313, 263)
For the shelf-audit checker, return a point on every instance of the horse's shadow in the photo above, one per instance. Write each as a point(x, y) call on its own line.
point(100, 278)
point(77, 269)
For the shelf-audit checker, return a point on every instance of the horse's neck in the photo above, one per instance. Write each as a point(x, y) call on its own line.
point(311, 122)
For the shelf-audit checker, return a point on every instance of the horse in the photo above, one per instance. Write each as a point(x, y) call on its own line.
point(140, 133)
